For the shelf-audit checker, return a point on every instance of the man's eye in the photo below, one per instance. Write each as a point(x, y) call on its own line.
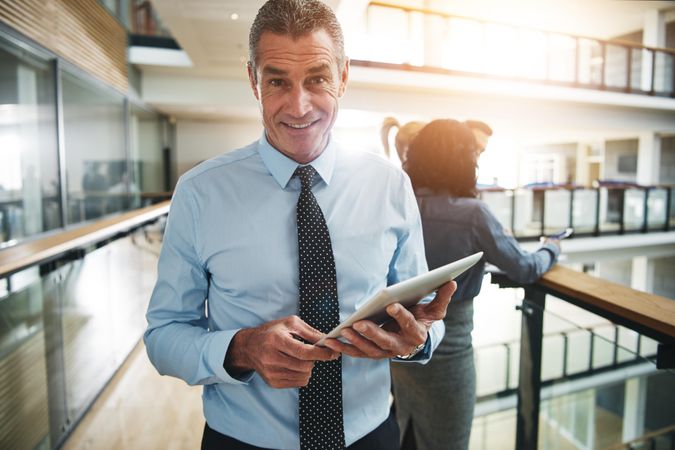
point(318, 80)
point(275, 82)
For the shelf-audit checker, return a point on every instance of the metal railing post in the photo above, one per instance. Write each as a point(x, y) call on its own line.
point(529, 385)
point(645, 210)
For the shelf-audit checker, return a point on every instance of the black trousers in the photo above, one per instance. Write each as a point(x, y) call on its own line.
point(384, 437)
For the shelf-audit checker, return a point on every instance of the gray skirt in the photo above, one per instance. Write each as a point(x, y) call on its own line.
point(437, 399)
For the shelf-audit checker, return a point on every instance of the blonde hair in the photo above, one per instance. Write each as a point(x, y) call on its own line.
point(404, 136)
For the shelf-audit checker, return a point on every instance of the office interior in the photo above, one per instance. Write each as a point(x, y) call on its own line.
point(105, 103)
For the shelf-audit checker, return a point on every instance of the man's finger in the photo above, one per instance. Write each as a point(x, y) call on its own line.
point(344, 348)
point(367, 343)
point(435, 310)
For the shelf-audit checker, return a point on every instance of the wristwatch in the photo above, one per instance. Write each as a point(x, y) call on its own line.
point(414, 351)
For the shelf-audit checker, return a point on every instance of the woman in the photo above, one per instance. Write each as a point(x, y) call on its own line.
point(437, 399)
point(404, 135)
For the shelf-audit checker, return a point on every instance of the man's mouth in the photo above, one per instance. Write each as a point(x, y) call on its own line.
point(299, 126)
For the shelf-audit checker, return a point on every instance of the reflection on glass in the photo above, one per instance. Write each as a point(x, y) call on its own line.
point(29, 201)
point(616, 74)
point(96, 165)
point(590, 61)
point(636, 69)
point(496, 430)
point(24, 408)
point(634, 209)
point(526, 220)
point(500, 205)
point(562, 57)
point(557, 210)
point(663, 73)
point(656, 207)
point(583, 215)
point(147, 130)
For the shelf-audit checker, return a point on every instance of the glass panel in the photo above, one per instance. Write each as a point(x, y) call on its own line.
point(388, 35)
point(609, 402)
point(656, 212)
point(29, 187)
point(145, 20)
point(530, 52)
point(634, 209)
point(590, 62)
point(24, 409)
point(96, 165)
point(557, 210)
point(500, 205)
point(459, 55)
point(562, 58)
point(616, 68)
point(636, 69)
point(496, 430)
point(672, 206)
point(584, 214)
point(663, 73)
point(527, 213)
point(87, 328)
point(103, 301)
point(498, 50)
point(147, 143)
point(611, 205)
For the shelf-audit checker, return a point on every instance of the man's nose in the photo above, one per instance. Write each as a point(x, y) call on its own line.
point(299, 102)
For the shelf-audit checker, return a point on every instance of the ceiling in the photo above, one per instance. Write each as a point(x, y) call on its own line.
point(213, 88)
point(217, 44)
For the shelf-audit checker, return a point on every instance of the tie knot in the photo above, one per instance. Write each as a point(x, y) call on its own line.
point(306, 174)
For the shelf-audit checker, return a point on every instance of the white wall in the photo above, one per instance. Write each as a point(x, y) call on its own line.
point(613, 151)
point(198, 140)
point(664, 283)
point(667, 175)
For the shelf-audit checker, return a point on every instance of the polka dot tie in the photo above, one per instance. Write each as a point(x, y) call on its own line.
point(321, 423)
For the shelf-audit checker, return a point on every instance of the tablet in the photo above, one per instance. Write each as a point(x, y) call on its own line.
point(408, 293)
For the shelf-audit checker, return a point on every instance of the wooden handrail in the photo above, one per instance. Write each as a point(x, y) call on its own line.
point(446, 15)
point(39, 251)
point(647, 310)
point(653, 434)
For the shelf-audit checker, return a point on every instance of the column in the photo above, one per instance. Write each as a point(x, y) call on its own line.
point(635, 399)
point(654, 35)
point(649, 158)
point(642, 274)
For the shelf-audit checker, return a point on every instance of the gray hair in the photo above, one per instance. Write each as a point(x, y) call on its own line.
point(295, 18)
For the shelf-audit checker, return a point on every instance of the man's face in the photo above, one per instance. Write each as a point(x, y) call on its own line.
point(298, 86)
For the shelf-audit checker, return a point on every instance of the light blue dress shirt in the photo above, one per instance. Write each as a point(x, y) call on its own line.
point(231, 240)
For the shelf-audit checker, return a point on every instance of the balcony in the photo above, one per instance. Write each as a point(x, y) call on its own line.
point(424, 40)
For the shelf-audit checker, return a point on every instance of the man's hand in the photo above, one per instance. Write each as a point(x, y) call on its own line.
point(399, 336)
point(275, 352)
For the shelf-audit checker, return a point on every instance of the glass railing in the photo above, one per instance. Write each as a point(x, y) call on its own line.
point(616, 209)
point(428, 40)
point(573, 378)
point(66, 326)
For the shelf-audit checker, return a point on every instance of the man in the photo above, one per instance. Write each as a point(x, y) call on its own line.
point(284, 238)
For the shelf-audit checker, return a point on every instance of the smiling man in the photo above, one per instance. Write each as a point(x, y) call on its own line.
point(269, 246)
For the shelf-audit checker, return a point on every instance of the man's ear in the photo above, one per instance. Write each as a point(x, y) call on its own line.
point(344, 76)
point(252, 80)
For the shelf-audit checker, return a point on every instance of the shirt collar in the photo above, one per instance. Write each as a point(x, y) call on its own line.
point(282, 167)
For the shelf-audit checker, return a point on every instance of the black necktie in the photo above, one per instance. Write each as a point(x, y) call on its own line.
point(321, 423)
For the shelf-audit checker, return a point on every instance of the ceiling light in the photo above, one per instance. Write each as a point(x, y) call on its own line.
point(234, 16)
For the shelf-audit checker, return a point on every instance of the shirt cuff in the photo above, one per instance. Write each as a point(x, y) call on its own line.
point(436, 333)
point(218, 346)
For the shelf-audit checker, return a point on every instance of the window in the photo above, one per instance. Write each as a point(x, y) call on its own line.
point(29, 181)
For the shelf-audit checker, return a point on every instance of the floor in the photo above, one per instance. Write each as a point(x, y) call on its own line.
point(128, 415)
